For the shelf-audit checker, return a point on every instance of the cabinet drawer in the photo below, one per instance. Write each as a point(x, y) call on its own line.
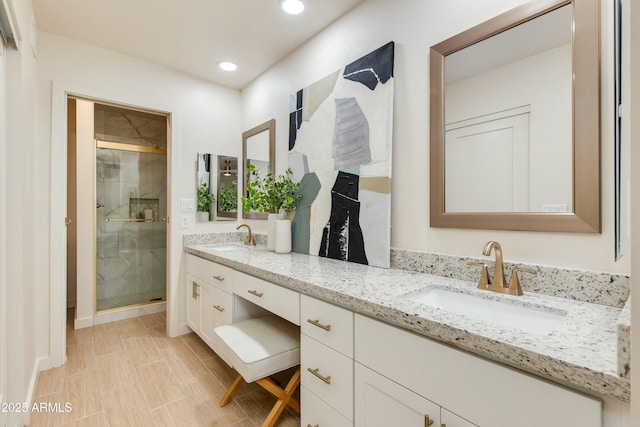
point(216, 274)
point(327, 323)
point(276, 299)
point(335, 368)
point(222, 304)
point(315, 412)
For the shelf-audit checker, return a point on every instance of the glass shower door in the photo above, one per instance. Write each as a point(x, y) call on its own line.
point(131, 228)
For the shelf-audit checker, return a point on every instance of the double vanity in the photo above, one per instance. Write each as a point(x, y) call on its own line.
point(395, 347)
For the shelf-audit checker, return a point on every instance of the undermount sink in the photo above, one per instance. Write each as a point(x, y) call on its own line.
point(227, 247)
point(528, 319)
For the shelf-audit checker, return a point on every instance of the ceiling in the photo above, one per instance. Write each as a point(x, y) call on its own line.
point(192, 35)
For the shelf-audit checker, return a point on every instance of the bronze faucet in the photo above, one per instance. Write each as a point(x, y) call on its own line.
point(249, 240)
point(498, 283)
point(498, 275)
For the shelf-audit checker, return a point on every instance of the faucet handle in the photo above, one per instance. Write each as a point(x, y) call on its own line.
point(485, 281)
point(514, 282)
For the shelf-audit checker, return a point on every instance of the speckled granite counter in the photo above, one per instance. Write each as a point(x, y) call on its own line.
point(581, 352)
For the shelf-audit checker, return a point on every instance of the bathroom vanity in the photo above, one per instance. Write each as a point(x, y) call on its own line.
point(374, 354)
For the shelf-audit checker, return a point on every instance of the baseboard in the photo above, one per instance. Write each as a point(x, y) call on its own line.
point(85, 322)
point(39, 365)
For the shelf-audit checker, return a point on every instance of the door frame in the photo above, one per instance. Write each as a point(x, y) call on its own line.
point(4, 325)
point(58, 205)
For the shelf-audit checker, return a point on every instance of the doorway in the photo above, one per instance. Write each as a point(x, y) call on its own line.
point(120, 160)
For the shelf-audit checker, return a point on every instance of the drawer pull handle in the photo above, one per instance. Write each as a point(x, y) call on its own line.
point(326, 380)
point(309, 425)
point(427, 420)
point(194, 290)
point(256, 293)
point(219, 308)
point(219, 278)
point(319, 325)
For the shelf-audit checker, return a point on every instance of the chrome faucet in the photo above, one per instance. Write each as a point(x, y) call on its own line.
point(249, 240)
point(498, 283)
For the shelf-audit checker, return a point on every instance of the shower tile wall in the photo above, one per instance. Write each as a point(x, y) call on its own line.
point(131, 255)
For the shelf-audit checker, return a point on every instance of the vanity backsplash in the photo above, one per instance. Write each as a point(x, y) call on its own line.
point(580, 285)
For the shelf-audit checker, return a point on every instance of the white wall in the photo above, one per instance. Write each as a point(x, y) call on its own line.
point(415, 25)
point(204, 118)
point(631, 30)
point(20, 209)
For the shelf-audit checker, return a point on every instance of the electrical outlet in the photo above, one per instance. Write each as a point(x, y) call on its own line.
point(184, 221)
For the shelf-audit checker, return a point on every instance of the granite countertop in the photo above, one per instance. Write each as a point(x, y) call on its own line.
point(580, 352)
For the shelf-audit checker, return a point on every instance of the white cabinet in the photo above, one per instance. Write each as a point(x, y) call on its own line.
point(209, 301)
point(379, 402)
point(482, 392)
point(449, 419)
point(326, 364)
point(273, 298)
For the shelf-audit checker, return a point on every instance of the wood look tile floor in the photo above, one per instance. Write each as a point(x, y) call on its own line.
point(129, 373)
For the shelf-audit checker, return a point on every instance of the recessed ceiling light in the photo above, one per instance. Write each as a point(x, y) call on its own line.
point(227, 66)
point(292, 7)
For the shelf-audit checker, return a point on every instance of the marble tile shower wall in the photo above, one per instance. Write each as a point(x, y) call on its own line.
point(131, 255)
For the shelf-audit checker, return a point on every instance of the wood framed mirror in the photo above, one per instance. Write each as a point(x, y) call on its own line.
point(529, 160)
point(258, 149)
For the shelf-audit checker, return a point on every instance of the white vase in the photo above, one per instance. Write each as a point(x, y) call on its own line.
point(203, 216)
point(283, 236)
point(271, 230)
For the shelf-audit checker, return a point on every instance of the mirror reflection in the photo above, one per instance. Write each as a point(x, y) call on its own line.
point(204, 195)
point(258, 149)
point(508, 120)
point(227, 187)
point(515, 121)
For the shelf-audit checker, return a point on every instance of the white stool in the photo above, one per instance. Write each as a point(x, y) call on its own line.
point(258, 348)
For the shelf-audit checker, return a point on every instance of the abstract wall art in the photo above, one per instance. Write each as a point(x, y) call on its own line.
point(340, 141)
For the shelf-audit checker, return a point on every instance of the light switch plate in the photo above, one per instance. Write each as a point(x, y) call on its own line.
point(184, 221)
point(187, 205)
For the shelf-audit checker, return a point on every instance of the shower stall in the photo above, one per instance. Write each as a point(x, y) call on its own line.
point(131, 207)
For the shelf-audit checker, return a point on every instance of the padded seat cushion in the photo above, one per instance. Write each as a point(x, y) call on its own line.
point(260, 347)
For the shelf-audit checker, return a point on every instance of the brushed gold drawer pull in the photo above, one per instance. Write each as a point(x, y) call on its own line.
point(326, 380)
point(194, 290)
point(256, 293)
point(219, 308)
point(319, 325)
point(427, 420)
point(309, 425)
point(219, 278)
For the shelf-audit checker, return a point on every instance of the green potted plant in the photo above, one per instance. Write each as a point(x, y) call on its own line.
point(271, 194)
point(229, 197)
point(205, 199)
point(276, 195)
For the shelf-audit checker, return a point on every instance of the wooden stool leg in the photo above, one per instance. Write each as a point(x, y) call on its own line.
point(284, 399)
point(231, 391)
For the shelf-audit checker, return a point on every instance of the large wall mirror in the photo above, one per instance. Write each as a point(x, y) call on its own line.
point(515, 121)
point(258, 149)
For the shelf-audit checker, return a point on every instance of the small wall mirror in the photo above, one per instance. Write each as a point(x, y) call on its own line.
point(258, 149)
point(515, 121)
point(205, 182)
point(227, 199)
